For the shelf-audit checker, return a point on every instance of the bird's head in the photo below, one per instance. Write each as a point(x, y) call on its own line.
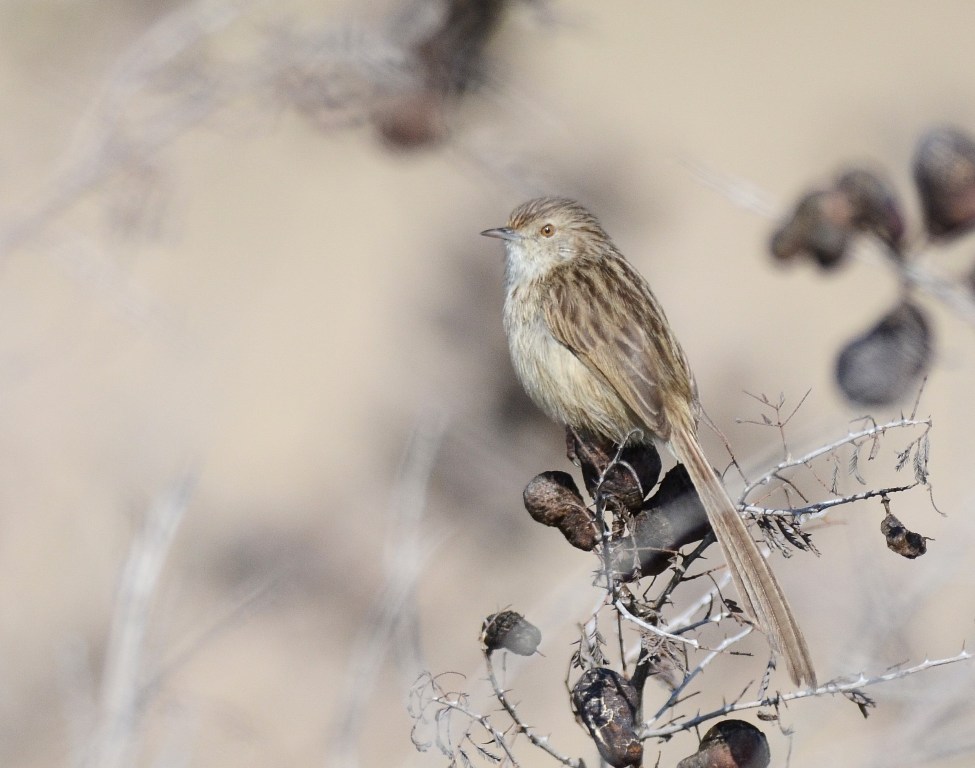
point(545, 232)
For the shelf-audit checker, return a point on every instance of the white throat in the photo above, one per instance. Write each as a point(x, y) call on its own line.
point(523, 266)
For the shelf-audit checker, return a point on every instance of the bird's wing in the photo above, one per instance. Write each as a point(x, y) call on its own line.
point(605, 314)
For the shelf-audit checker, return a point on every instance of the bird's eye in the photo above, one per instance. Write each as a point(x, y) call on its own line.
point(547, 230)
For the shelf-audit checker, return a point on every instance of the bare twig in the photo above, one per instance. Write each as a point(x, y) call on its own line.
point(704, 601)
point(849, 438)
point(828, 689)
point(541, 742)
point(648, 627)
point(500, 738)
point(819, 508)
point(691, 674)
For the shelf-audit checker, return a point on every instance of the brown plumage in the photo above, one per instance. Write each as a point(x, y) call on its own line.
point(593, 349)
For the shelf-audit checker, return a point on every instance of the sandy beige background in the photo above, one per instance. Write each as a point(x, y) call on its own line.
point(277, 305)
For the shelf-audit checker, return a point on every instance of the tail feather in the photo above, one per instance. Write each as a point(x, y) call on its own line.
point(760, 593)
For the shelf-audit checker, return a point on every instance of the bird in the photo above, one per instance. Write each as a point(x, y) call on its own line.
point(593, 349)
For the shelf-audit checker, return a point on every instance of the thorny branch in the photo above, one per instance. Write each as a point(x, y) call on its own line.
point(918, 448)
point(851, 438)
point(828, 689)
point(818, 508)
point(427, 692)
point(711, 656)
point(541, 742)
point(668, 645)
point(648, 627)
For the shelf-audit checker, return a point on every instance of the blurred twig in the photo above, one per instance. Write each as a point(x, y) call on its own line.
point(103, 144)
point(120, 704)
point(392, 625)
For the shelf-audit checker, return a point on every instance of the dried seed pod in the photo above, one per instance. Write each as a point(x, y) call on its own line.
point(607, 705)
point(553, 499)
point(580, 530)
point(731, 744)
point(511, 631)
point(628, 481)
point(549, 496)
point(874, 204)
point(819, 228)
point(902, 541)
point(944, 171)
point(883, 365)
point(674, 517)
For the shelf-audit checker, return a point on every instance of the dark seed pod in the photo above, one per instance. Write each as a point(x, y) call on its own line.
point(607, 705)
point(674, 517)
point(550, 496)
point(731, 744)
point(902, 541)
point(875, 207)
point(944, 171)
point(819, 228)
point(883, 365)
point(553, 499)
point(510, 631)
point(580, 531)
point(628, 481)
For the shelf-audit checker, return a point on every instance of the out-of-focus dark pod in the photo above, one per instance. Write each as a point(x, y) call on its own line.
point(819, 228)
point(673, 518)
point(886, 363)
point(875, 206)
point(900, 540)
point(944, 171)
point(452, 55)
point(447, 62)
point(607, 705)
point(553, 499)
point(628, 481)
point(414, 122)
point(510, 630)
point(730, 744)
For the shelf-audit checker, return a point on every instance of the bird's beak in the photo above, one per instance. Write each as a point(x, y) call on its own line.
point(502, 233)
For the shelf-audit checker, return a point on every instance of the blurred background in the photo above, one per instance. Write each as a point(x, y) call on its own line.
point(261, 449)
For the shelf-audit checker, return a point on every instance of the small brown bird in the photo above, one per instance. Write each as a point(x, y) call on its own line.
point(593, 349)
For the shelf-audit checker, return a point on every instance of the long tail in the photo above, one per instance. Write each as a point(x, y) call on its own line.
point(760, 593)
